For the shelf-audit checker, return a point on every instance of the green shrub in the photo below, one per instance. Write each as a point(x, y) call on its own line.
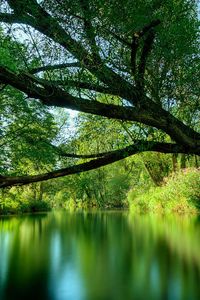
point(15, 204)
point(9, 207)
point(180, 193)
point(35, 206)
point(70, 204)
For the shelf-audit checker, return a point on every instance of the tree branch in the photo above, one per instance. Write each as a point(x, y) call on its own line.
point(2, 87)
point(135, 42)
point(84, 85)
point(147, 27)
point(148, 42)
point(89, 30)
point(52, 95)
point(134, 48)
point(31, 7)
point(119, 38)
point(149, 114)
point(50, 28)
point(116, 155)
point(54, 67)
point(10, 18)
point(62, 153)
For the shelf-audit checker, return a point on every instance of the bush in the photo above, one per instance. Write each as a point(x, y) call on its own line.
point(9, 207)
point(35, 206)
point(14, 203)
point(180, 193)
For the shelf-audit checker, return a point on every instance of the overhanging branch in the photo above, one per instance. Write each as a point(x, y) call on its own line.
point(52, 95)
point(114, 156)
point(150, 114)
point(50, 28)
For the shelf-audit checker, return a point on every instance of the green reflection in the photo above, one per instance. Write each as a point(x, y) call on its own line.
point(103, 255)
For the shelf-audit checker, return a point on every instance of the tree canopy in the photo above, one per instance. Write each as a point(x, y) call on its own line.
point(133, 64)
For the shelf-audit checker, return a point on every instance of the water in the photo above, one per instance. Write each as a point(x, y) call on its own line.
point(99, 256)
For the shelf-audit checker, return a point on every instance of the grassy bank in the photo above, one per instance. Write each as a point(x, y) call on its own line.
point(179, 193)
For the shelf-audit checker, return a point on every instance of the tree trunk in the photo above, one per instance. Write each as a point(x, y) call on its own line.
point(183, 161)
point(174, 162)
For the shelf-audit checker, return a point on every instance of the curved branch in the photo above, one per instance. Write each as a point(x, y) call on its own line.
point(147, 27)
point(136, 35)
point(52, 95)
point(150, 114)
point(114, 156)
point(48, 26)
point(135, 43)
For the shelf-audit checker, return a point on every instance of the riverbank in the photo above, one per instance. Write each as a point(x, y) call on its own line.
point(179, 193)
point(14, 207)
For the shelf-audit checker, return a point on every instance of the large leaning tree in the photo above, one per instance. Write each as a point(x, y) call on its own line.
point(132, 61)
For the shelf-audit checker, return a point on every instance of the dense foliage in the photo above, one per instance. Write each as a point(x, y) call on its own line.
point(180, 193)
point(130, 68)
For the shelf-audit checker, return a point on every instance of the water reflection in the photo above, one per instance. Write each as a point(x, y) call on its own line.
point(104, 255)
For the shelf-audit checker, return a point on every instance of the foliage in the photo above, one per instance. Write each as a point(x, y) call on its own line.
point(132, 66)
point(180, 193)
point(22, 200)
point(27, 128)
point(103, 188)
point(131, 69)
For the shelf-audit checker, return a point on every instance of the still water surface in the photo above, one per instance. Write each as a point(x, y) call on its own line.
point(99, 256)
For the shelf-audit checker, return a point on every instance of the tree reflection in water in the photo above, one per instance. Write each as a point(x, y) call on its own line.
point(103, 255)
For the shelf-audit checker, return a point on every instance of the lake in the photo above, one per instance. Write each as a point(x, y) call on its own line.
point(99, 256)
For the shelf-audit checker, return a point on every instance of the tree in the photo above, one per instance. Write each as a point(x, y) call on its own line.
point(142, 57)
